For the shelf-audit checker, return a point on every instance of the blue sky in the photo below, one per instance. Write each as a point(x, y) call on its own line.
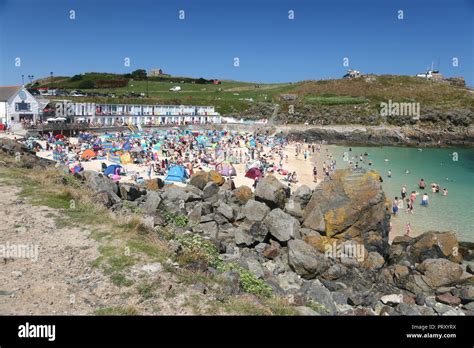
point(271, 48)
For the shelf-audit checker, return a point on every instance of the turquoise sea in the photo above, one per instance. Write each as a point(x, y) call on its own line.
point(451, 168)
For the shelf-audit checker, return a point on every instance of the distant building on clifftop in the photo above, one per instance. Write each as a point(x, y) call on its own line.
point(157, 73)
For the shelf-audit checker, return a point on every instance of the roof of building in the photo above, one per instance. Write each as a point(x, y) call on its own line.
point(7, 92)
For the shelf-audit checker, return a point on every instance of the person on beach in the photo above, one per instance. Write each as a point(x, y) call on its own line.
point(424, 200)
point(395, 206)
point(407, 229)
point(315, 174)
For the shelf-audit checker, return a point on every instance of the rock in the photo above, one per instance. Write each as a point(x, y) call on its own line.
point(420, 299)
point(351, 206)
point(152, 268)
point(210, 189)
point(303, 195)
point(305, 260)
point(281, 225)
point(130, 192)
point(441, 308)
point(271, 251)
point(256, 268)
point(339, 297)
point(317, 294)
point(303, 310)
point(431, 245)
point(467, 293)
point(242, 194)
point(154, 184)
point(439, 272)
point(199, 210)
point(293, 208)
point(403, 240)
point(226, 211)
point(243, 238)
point(469, 306)
point(99, 182)
point(255, 211)
point(153, 200)
point(288, 280)
point(271, 191)
point(374, 261)
point(454, 312)
point(260, 247)
point(392, 300)
point(448, 299)
point(470, 268)
point(406, 309)
point(17, 274)
point(201, 178)
point(174, 196)
point(207, 228)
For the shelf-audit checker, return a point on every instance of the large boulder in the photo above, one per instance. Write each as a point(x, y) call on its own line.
point(439, 272)
point(281, 225)
point(201, 178)
point(242, 194)
point(99, 182)
point(306, 260)
point(255, 211)
point(271, 191)
point(431, 245)
point(351, 205)
point(152, 201)
point(130, 192)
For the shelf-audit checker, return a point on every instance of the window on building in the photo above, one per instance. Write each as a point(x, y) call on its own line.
point(22, 106)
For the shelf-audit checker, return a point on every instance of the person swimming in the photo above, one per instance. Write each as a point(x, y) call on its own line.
point(389, 173)
point(445, 191)
point(422, 184)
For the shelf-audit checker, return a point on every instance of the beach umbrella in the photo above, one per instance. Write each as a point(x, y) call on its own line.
point(88, 154)
point(254, 173)
point(59, 136)
point(227, 169)
point(59, 142)
point(254, 164)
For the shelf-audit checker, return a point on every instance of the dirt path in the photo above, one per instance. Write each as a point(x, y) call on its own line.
point(59, 278)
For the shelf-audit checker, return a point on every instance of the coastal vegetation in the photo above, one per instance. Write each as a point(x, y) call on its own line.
point(335, 101)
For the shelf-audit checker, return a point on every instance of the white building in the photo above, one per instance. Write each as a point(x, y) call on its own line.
point(110, 114)
point(17, 105)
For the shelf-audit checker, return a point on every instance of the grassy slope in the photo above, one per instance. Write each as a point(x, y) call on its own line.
point(340, 95)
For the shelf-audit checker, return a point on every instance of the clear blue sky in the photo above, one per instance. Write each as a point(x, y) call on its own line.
point(271, 48)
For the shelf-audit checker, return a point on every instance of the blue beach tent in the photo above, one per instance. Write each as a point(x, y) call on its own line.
point(177, 174)
point(111, 169)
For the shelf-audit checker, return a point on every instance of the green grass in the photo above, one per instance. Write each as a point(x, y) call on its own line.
point(334, 100)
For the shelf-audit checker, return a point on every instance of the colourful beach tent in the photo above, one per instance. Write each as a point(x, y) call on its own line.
point(177, 174)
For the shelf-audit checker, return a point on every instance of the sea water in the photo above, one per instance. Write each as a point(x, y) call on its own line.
point(451, 168)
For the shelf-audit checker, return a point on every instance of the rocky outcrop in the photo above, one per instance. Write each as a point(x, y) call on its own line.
point(328, 253)
point(350, 206)
point(389, 135)
point(201, 178)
